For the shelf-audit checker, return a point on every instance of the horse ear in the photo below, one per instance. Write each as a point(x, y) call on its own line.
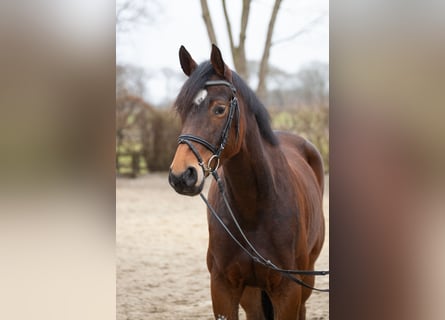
point(218, 64)
point(188, 65)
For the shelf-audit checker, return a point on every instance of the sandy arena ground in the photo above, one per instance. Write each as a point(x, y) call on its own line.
point(161, 254)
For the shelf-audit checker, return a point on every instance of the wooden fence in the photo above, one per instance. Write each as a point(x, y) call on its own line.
point(130, 164)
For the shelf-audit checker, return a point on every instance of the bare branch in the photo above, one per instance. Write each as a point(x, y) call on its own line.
point(120, 10)
point(261, 89)
point(244, 20)
point(238, 52)
point(303, 30)
point(229, 27)
point(242, 61)
point(130, 13)
point(208, 21)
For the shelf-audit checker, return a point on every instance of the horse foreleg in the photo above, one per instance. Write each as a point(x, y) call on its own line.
point(302, 312)
point(251, 303)
point(225, 299)
point(306, 292)
point(286, 300)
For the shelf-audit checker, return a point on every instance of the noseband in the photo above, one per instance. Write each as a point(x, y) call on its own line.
point(213, 163)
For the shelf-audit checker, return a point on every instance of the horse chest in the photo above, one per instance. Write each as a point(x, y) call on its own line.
point(230, 262)
point(239, 273)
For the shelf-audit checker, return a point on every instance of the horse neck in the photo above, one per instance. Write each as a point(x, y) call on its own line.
point(249, 174)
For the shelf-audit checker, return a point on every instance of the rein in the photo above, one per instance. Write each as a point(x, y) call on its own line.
point(208, 169)
point(256, 256)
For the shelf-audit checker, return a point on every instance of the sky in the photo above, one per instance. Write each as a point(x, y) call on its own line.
point(154, 45)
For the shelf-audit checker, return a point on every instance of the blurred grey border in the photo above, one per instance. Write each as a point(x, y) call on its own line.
point(57, 185)
point(387, 156)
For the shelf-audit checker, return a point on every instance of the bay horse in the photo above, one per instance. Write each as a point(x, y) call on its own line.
point(273, 189)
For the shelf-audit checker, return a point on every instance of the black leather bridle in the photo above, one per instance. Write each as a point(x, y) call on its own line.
point(213, 163)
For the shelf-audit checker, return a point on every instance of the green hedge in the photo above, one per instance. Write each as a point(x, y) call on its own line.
point(159, 130)
point(309, 122)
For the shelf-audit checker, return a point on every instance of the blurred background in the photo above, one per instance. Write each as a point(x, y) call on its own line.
point(281, 48)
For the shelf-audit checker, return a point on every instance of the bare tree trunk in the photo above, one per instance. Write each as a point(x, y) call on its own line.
point(239, 52)
point(261, 89)
point(208, 21)
point(242, 40)
point(229, 28)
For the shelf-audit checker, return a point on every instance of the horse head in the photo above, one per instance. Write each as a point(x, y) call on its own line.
point(209, 110)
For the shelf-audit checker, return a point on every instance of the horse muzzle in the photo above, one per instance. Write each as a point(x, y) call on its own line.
point(186, 182)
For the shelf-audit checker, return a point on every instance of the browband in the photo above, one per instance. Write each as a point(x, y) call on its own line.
point(221, 83)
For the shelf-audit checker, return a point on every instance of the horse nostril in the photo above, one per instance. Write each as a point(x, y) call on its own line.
point(190, 176)
point(172, 179)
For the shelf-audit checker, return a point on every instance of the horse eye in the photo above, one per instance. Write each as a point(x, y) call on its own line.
point(219, 110)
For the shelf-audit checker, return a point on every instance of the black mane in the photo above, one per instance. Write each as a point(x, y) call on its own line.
point(184, 102)
point(256, 107)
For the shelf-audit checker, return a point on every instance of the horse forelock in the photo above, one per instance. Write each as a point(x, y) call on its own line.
point(188, 98)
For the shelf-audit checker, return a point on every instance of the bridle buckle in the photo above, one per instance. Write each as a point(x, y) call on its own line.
point(208, 168)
